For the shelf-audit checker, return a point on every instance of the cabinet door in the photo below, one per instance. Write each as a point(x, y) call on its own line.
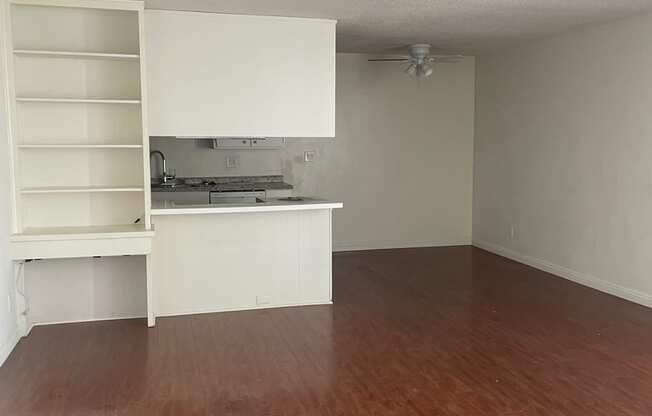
point(240, 76)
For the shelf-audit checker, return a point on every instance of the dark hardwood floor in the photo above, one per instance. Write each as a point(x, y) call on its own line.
point(446, 331)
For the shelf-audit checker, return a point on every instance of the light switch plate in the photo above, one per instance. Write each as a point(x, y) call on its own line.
point(309, 156)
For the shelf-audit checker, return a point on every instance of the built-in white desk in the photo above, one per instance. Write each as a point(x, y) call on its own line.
point(76, 242)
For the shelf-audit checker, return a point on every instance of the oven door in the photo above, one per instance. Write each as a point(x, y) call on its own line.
point(237, 197)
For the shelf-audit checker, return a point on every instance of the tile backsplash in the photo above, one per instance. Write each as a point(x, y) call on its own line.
point(196, 157)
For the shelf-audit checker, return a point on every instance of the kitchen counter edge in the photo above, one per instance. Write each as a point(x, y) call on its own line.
point(170, 208)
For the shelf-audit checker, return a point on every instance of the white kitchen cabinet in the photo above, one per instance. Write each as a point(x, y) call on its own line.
point(240, 76)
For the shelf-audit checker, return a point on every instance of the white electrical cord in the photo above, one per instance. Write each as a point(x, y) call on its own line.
point(18, 290)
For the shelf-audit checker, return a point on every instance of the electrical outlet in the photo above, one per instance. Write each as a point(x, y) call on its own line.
point(232, 161)
point(262, 300)
point(309, 156)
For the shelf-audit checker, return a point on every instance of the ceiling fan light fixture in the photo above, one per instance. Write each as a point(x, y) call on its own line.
point(411, 70)
point(426, 70)
point(420, 62)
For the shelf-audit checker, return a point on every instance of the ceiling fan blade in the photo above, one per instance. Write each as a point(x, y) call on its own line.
point(444, 59)
point(389, 60)
point(447, 56)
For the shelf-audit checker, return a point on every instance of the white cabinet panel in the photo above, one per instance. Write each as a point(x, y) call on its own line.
point(224, 262)
point(240, 76)
point(316, 256)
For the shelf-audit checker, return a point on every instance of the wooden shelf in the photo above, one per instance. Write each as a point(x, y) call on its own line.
point(80, 189)
point(76, 100)
point(80, 146)
point(75, 55)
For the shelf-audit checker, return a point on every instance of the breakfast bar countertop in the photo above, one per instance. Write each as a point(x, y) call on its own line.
point(165, 207)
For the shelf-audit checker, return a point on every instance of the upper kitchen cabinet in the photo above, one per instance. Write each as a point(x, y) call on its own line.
point(240, 76)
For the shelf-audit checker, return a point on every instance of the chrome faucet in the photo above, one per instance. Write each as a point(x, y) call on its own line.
point(164, 176)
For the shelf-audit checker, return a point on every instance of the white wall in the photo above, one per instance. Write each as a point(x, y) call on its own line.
point(8, 335)
point(563, 155)
point(401, 162)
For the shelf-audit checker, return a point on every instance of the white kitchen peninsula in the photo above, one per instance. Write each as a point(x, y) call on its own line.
point(211, 258)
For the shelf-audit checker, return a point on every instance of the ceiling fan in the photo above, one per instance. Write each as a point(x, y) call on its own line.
point(419, 62)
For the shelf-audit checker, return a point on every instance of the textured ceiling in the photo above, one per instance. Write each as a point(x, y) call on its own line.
point(460, 26)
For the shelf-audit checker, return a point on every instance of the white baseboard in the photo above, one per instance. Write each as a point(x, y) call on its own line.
point(8, 347)
point(383, 245)
point(584, 279)
point(247, 308)
point(79, 321)
point(175, 313)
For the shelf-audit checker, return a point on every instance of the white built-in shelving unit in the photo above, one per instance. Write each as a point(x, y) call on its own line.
point(77, 101)
point(78, 138)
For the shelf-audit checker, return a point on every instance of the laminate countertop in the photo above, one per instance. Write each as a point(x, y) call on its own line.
point(166, 207)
